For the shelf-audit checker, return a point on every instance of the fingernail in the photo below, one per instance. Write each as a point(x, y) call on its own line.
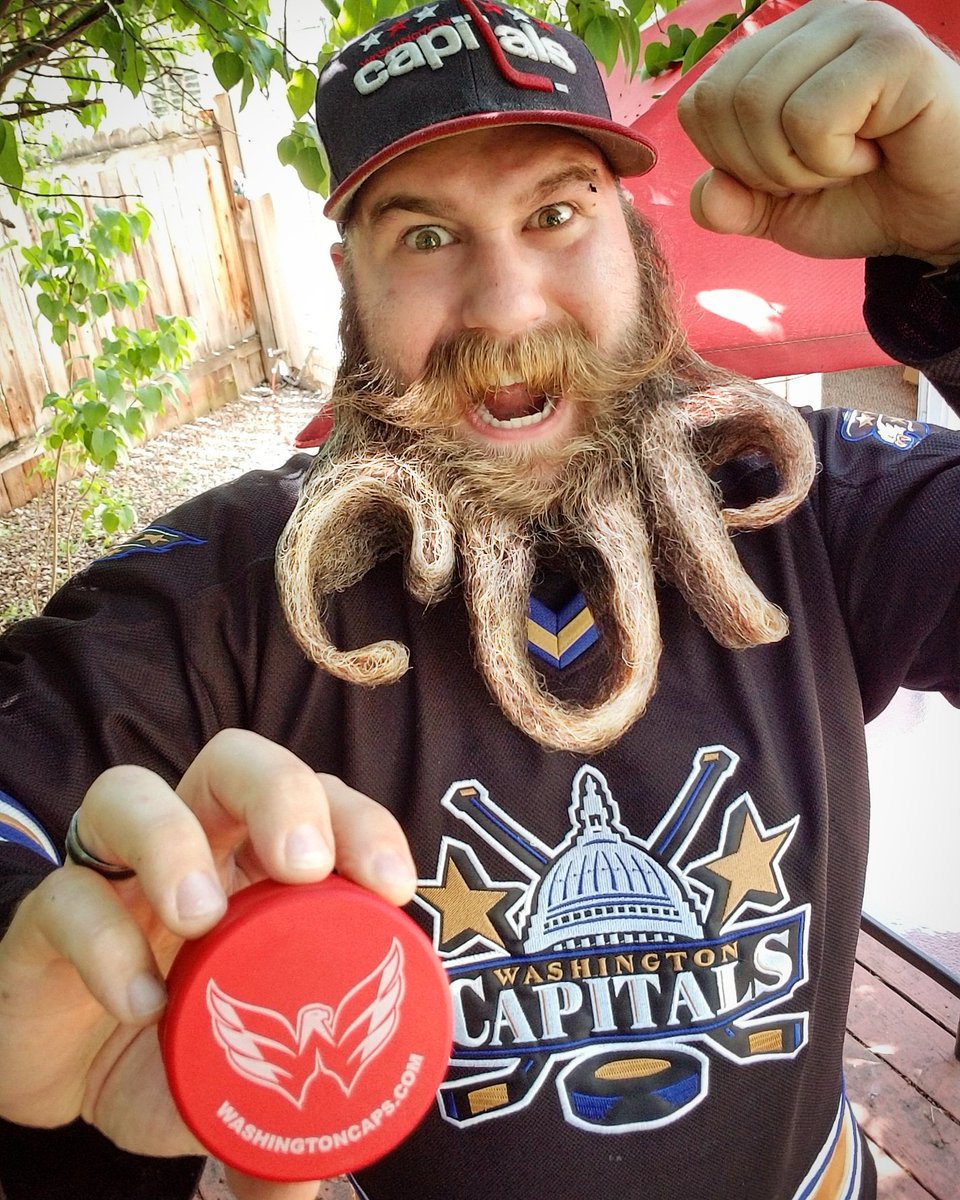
point(199, 896)
point(306, 849)
point(394, 869)
point(145, 995)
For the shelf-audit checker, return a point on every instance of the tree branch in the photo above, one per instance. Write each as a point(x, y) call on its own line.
point(27, 109)
point(263, 33)
point(37, 51)
point(74, 195)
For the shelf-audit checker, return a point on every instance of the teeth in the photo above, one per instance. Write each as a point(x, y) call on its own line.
point(506, 381)
point(488, 418)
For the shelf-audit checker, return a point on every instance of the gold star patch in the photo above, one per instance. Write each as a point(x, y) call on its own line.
point(745, 872)
point(468, 904)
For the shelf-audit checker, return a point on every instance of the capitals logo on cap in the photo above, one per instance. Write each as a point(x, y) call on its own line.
point(308, 1032)
point(453, 67)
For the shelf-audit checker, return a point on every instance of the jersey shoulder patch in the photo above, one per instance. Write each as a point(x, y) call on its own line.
point(897, 433)
point(155, 539)
point(21, 828)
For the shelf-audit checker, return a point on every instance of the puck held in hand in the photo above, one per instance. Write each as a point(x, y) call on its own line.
point(307, 1033)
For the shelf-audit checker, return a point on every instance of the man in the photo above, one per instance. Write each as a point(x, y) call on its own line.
point(625, 771)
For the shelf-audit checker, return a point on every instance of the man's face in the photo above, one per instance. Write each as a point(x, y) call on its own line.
point(497, 232)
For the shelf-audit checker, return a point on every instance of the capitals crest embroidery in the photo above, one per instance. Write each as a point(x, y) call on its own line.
point(616, 962)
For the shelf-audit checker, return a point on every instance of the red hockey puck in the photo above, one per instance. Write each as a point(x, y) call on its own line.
point(307, 1033)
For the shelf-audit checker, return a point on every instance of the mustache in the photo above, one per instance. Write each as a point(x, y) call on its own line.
point(555, 361)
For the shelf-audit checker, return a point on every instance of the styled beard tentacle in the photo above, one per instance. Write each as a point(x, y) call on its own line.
point(730, 422)
point(498, 569)
point(352, 516)
point(693, 545)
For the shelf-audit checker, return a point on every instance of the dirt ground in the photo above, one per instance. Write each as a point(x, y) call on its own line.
point(257, 430)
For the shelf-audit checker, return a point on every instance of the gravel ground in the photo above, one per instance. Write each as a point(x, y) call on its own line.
point(255, 431)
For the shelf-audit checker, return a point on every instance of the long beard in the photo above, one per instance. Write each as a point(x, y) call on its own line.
point(625, 500)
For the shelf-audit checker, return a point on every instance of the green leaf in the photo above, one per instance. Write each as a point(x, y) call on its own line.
point(103, 444)
point(11, 169)
point(657, 58)
point(108, 381)
point(49, 307)
point(245, 89)
point(133, 67)
point(126, 515)
point(131, 292)
point(680, 39)
point(287, 149)
point(301, 91)
point(629, 43)
point(311, 168)
point(642, 10)
point(603, 40)
point(228, 68)
point(92, 114)
point(99, 304)
point(701, 46)
point(263, 59)
point(93, 414)
point(133, 421)
point(140, 224)
point(150, 397)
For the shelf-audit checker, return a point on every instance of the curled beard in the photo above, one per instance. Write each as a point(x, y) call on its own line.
point(628, 499)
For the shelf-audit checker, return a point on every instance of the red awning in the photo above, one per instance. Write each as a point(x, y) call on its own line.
point(747, 304)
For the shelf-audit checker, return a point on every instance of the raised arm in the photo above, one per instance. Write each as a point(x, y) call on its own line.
point(835, 132)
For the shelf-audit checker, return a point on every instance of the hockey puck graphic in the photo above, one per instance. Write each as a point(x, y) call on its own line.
point(632, 1088)
point(307, 1033)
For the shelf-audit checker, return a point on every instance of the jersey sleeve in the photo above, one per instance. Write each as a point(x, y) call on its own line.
point(131, 662)
point(888, 502)
point(910, 320)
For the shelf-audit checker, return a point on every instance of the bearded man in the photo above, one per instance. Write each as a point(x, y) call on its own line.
point(581, 631)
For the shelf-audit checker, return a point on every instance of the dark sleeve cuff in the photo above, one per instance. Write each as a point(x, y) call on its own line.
point(913, 322)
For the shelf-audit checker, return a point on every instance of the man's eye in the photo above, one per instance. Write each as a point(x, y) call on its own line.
point(552, 215)
point(427, 237)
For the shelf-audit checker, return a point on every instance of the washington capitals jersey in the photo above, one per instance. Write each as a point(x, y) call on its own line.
point(650, 948)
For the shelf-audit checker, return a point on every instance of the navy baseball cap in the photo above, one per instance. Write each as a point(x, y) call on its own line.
point(454, 66)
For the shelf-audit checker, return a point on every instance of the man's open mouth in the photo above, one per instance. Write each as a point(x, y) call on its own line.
point(511, 405)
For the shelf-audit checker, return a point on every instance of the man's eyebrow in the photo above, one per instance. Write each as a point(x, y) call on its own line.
point(411, 203)
point(440, 210)
point(574, 173)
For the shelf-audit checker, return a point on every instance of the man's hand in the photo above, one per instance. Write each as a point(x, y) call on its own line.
point(83, 962)
point(835, 132)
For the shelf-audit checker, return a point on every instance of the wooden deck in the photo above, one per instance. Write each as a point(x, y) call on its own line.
point(902, 1076)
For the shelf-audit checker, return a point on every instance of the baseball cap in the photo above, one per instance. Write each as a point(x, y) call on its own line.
point(454, 66)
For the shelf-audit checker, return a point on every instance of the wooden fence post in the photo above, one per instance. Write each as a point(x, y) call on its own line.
point(249, 231)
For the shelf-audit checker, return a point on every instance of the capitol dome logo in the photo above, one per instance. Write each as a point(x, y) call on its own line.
point(604, 889)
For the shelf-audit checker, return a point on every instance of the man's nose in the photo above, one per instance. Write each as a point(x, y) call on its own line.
point(503, 290)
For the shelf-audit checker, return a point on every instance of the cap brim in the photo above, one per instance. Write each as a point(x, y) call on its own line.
point(628, 153)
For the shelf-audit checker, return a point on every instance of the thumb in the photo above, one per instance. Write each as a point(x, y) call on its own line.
point(720, 203)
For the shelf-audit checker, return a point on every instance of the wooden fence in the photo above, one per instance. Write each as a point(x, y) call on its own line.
point(201, 260)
